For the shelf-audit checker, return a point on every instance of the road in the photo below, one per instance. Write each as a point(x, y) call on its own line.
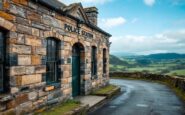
point(142, 98)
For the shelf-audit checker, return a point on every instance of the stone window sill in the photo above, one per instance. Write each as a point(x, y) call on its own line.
point(104, 75)
point(5, 97)
point(52, 86)
point(94, 77)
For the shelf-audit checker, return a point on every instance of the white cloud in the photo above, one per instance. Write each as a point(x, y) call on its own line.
point(85, 1)
point(111, 22)
point(170, 41)
point(149, 2)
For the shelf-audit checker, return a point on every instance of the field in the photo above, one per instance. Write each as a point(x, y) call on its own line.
point(174, 67)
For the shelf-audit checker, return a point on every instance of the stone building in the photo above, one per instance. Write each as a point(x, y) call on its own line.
point(49, 52)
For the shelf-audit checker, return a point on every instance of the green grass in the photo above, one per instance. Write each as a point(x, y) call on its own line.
point(177, 72)
point(155, 66)
point(104, 90)
point(62, 109)
point(120, 67)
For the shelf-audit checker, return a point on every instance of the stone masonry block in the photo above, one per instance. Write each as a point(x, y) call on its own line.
point(24, 2)
point(48, 20)
point(33, 41)
point(28, 79)
point(29, 69)
point(32, 95)
point(17, 10)
point(67, 91)
point(33, 16)
point(24, 29)
point(66, 74)
point(40, 50)
point(21, 70)
point(7, 16)
point(22, 21)
point(17, 70)
point(20, 49)
point(35, 32)
point(35, 60)
point(8, 25)
point(24, 60)
point(40, 69)
point(21, 98)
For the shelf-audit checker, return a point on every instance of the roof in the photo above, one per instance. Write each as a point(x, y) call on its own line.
point(62, 9)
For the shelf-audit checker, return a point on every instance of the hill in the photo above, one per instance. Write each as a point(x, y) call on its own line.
point(165, 56)
point(117, 61)
point(158, 56)
point(168, 63)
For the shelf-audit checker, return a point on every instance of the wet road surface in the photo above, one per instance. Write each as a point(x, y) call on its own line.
point(142, 98)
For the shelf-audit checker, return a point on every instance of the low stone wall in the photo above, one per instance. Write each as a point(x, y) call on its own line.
point(173, 81)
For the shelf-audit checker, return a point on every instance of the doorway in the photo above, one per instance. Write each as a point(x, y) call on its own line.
point(77, 51)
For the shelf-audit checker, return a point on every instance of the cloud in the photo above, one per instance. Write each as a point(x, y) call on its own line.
point(169, 41)
point(149, 2)
point(112, 22)
point(85, 1)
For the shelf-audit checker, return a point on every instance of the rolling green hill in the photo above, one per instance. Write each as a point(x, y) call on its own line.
point(170, 63)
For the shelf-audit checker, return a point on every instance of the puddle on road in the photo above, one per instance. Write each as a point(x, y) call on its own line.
point(142, 105)
point(112, 107)
point(126, 92)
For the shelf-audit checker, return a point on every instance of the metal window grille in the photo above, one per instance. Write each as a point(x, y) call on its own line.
point(2, 51)
point(1, 4)
point(93, 61)
point(51, 61)
point(104, 61)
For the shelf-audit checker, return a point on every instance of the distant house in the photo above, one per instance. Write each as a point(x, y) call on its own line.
point(49, 52)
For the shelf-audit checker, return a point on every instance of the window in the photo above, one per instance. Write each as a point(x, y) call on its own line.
point(93, 61)
point(2, 62)
point(104, 61)
point(52, 61)
point(1, 4)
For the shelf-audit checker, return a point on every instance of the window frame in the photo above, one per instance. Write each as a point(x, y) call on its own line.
point(104, 61)
point(93, 61)
point(52, 58)
point(4, 86)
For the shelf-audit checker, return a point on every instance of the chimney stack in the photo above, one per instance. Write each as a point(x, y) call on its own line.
point(92, 14)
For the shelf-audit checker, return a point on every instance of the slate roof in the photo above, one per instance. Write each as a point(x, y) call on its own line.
point(62, 9)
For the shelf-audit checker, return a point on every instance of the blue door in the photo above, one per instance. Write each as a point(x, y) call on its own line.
point(76, 71)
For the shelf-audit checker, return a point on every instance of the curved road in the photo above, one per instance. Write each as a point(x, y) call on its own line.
point(142, 98)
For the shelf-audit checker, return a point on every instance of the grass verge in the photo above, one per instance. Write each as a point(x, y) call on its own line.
point(105, 90)
point(62, 109)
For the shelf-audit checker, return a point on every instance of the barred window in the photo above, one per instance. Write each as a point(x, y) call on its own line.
point(52, 61)
point(1, 4)
point(93, 61)
point(104, 61)
point(2, 62)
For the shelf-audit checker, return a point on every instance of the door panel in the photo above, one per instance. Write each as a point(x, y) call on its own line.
point(2, 49)
point(76, 75)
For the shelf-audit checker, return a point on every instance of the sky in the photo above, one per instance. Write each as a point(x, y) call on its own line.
point(141, 27)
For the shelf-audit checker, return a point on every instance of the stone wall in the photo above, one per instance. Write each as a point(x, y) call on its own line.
point(27, 26)
point(173, 81)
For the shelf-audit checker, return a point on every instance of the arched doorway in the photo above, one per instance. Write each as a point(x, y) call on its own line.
point(77, 63)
